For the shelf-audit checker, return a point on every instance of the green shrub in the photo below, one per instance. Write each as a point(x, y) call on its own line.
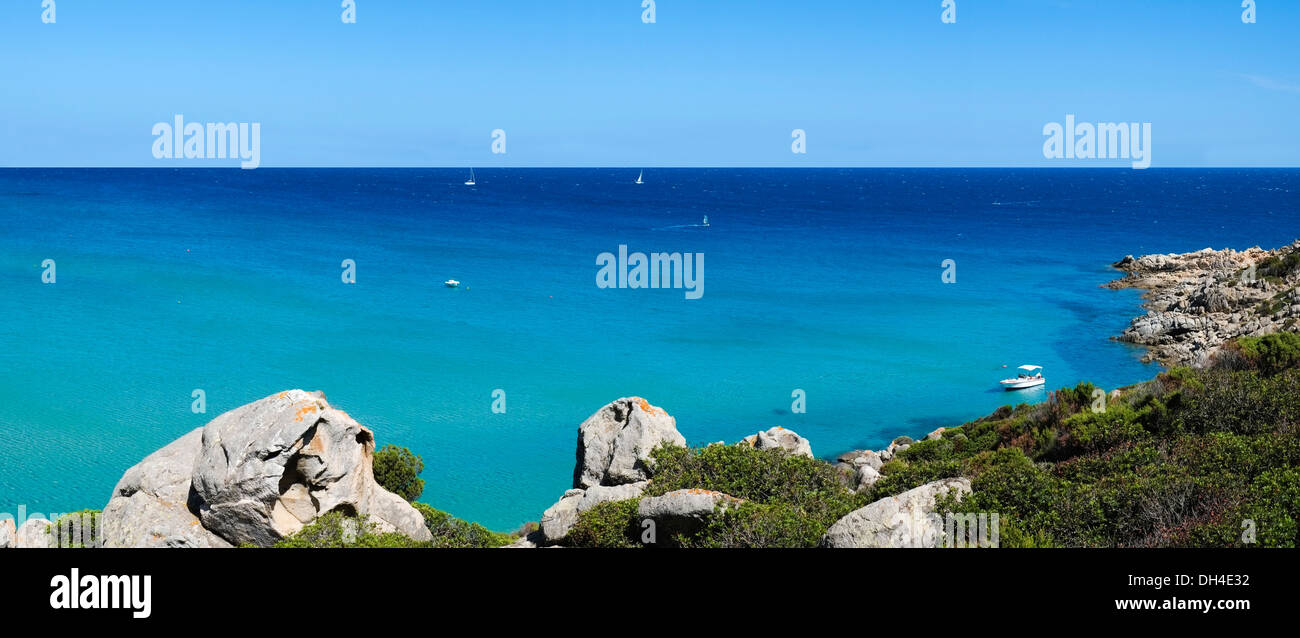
point(1272, 353)
point(397, 470)
point(337, 530)
point(449, 531)
point(757, 525)
point(610, 524)
point(1278, 267)
point(761, 476)
point(72, 530)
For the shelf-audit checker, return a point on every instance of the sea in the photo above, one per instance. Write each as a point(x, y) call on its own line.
point(849, 305)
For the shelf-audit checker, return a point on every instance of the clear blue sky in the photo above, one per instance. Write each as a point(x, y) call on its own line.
point(712, 83)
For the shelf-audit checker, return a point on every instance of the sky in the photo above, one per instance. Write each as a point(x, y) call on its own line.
point(709, 83)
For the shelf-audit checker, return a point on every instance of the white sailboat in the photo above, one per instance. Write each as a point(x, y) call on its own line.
point(638, 177)
point(470, 181)
point(706, 221)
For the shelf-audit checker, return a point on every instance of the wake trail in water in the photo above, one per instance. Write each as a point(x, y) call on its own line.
point(680, 227)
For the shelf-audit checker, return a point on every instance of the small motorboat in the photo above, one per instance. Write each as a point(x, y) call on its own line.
point(451, 283)
point(1029, 377)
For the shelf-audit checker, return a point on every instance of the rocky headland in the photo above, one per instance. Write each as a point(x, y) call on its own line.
point(1198, 301)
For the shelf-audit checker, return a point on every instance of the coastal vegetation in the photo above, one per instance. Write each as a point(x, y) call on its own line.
point(1204, 456)
point(1195, 457)
point(788, 500)
point(397, 470)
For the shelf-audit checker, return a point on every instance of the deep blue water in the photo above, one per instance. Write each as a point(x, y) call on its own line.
point(822, 280)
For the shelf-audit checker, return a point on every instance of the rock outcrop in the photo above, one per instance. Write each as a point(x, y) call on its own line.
point(685, 507)
point(862, 467)
point(558, 519)
point(898, 445)
point(154, 505)
point(614, 444)
point(779, 438)
point(8, 533)
point(34, 533)
point(1198, 301)
point(905, 520)
point(613, 462)
point(267, 469)
point(253, 476)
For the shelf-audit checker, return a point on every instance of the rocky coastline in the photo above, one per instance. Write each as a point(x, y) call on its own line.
point(262, 472)
point(1198, 301)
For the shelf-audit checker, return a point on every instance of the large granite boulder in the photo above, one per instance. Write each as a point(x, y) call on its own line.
point(34, 533)
point(614, 444)
point(905, 520)
point(153, 504)
point(689, 506)
point(8, 533)
point(558, 519)
point(779, 438)
point(267, 469)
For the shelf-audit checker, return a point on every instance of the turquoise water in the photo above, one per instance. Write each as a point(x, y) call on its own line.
point(822, 280)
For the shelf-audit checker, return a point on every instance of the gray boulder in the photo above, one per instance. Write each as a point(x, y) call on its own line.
point(888, 453)
point(614, 444)
point(558, 519)
point(267, 469)
point(905, 520)
point(779, 438)
point(866, 477)
point(858, 458)
point(34, 533)
point(686, 506)
point(8, 533)
point(153, 504)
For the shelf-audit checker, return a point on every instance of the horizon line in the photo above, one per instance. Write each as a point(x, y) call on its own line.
point(650, 167)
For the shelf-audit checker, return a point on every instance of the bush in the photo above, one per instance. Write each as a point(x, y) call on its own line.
point(337, 530)
point(611, 524)
point(761, 476)
point(790, 500)
point(72, 530)
point(1273, 353)
point(449, 531)
point(397, 470)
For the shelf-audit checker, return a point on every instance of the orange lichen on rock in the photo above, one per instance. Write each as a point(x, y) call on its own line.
point(646, 407)
point(304, 411)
